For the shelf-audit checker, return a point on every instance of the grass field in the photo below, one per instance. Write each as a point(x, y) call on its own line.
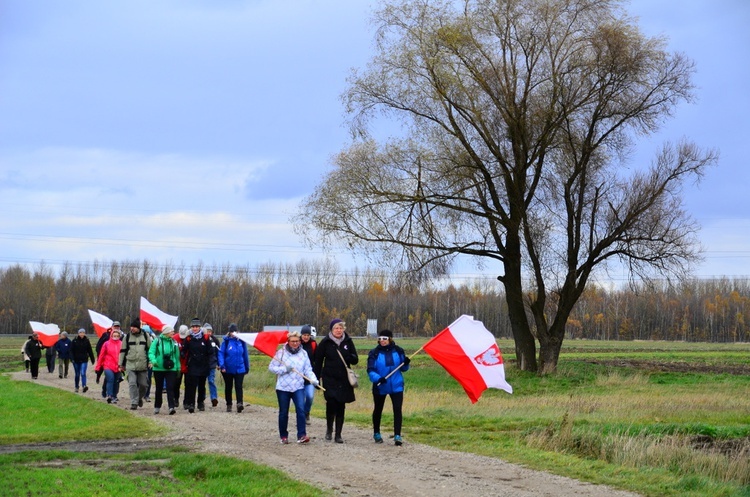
point(657, 418)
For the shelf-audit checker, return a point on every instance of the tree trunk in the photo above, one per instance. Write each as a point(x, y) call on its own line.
point(549, 352)
point(519, 324)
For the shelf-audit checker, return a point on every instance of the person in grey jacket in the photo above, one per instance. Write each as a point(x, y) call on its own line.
point(134, 360)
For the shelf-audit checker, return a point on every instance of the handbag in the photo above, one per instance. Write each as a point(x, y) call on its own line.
point(350, 374)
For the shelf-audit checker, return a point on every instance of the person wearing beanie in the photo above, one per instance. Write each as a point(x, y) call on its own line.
point(134, 360)
point(62, 349)
point(81, 352)
point(334, 354)
point(385, 363)
point(108, 361)
point(164, 356)
point(213, 364)
point(198, 349)
point(180, 339)
point(291, 366)
point(234, 364)
point(309, 345)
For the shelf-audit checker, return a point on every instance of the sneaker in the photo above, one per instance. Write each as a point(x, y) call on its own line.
point(76, 390)
point(156, 410)
point(172, 411)
point(378, 438)
point(60, 377)
point(303, 439)
point(147, 399)
point(109, 400)
point(284, 440)
point(85, 389)
point(133, 407)
point(140, 402)
point(307, 419)
point(398, 440)
point(329, 435)
point(115, 400)
point(201, 407)
point(240, 408)
point(214, 402)
point(339, 440)
point(229, 407)
point(191, 409)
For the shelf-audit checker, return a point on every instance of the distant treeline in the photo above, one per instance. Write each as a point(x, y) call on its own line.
point(315, 292)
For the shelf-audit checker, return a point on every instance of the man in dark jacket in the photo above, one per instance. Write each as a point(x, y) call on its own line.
point(81, 352)
point(62, 348)
point(198, 350)
point(34, 349)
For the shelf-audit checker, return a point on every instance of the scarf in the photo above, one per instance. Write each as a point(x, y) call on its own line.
point(198, 335)
point(337, 341)
point(291, 350)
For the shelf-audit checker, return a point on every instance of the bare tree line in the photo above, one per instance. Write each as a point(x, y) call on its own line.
point(316, 291)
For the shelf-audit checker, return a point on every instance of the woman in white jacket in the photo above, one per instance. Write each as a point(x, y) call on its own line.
point(292, 366)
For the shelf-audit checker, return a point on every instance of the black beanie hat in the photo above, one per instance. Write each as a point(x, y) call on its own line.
point(386, 333)
point(136, 323)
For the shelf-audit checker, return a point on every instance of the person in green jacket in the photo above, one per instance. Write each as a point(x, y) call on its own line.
point(164, 356)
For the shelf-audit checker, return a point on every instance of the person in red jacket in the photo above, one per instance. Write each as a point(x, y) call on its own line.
point(109, 361)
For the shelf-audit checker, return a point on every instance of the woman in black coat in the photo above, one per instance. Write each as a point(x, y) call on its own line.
point(34, 349)
point(331, 369)
point(81, 352)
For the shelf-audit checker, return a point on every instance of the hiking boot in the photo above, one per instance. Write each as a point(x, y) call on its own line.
point(109, 400)
point(303, 439)
point(338, 439)
point(85, 389)
point(214, 402)
point(240, 408)
point(398, 440)
point(378, 438)
point(133, 407)
point(140, 402)
point(201, 407)
point(191, 409)
point(172, 411)
point(156, 410)
point(329, 435)
point(229, 407)
point(76, 390)
point(307, 419)
point(60, 377)
point(284, 440)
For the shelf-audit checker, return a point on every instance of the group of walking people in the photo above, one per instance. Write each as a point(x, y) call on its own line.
point(193, 355)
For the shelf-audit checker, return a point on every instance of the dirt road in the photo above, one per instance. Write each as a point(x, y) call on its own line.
point(358, 467)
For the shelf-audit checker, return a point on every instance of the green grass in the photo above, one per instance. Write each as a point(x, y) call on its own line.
point(675, 424)
point(163, 472)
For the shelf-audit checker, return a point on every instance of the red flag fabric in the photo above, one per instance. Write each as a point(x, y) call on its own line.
point(154, 317)
point(265, 341)
point(468, 351)
point(48, 333)
point(101, 322)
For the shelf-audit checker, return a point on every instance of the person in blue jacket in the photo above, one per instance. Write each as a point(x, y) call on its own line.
point(384, 360)
point(234, 364)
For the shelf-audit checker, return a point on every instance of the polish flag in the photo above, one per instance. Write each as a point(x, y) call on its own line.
point(48, 333)
point(265, 341)
point(468, 351)
point(155, 318)
point(101, 322)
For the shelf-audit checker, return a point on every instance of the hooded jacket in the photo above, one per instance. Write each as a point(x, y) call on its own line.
point(134, 351)
point(233, 357)
point(380, 362)
point(161, 348)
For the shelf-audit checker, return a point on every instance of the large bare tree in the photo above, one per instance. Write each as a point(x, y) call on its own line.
point(519, 118)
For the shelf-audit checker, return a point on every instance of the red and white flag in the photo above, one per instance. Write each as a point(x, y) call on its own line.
point(154, 317)
point(48, 333)
point(468, 351)
point(101, 322)
point(265, 341)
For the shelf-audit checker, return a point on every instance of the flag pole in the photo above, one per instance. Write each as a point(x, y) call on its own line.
point(400, 365)
point(294, 370)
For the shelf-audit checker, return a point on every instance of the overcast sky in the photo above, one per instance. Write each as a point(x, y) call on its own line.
point(190, 130)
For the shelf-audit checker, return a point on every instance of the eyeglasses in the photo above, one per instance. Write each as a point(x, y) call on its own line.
point(293, 341)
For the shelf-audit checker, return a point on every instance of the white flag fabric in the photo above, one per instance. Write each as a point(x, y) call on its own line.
point(48, 333)
point(469, 352)
point(154, 317)
point(101, 322)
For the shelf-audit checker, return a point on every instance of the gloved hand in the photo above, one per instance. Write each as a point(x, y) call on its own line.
point(406, 360)
point(288, 368)
point(381, 381)
point(315, 383)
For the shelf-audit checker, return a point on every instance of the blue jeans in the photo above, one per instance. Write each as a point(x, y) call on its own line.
point(212, 392)
point(309, 396)
point(80, 370)
point(112, 382)
point(298, 397)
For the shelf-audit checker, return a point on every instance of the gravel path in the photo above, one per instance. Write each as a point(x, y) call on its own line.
point(358, 467)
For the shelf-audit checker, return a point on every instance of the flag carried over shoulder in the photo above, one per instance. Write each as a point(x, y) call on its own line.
point(468, 351)
point(48, 333)
point(101, 322)
point(265, 341)
point(154, 317)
